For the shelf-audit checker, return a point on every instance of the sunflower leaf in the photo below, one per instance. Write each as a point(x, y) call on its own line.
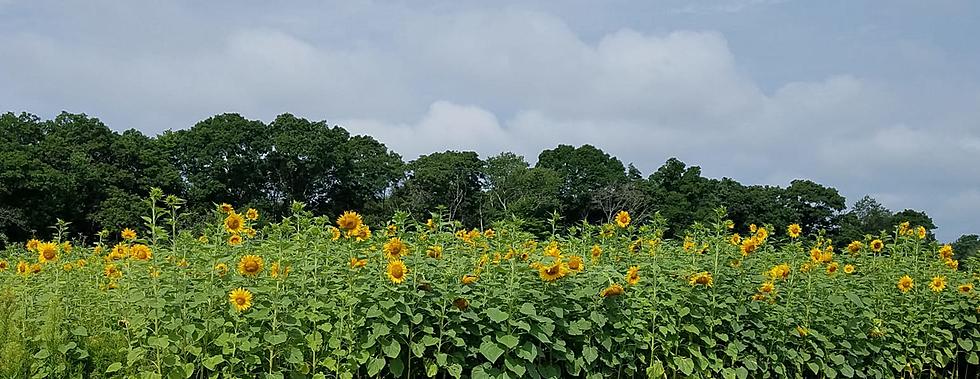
point(490, 350)
point(497, 315)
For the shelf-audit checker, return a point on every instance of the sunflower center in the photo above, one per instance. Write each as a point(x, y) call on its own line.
point(240, 300)
point(397, 272)
point(49, 254)
point(251, 266)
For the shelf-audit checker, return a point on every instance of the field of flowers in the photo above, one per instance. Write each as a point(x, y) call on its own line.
point(334, 297)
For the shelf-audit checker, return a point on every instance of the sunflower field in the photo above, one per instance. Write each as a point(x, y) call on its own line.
point(310, 296)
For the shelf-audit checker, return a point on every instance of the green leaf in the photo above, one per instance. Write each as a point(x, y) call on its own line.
point(528, 309)
point(656, 370)
point(847, 371)
point(742, 373)
point(213, 361)
point(397, 367)
point(113, 367)
point(392, 348)
point(375, 366)
point(854, 299)
point(497, 315)
point(455, 370)
point(431, 370)
point(972, 358)
point(528, 352)
point(965, 343)
point(515, 365)
point(490, 350)
point(589, 353)
point(685, 365)
point(509, 341)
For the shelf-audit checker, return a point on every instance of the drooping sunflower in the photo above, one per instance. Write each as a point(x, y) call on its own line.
point(613, 290)
point(633, 275)
point(703, 278)
point(946, 252)
point(434, 251)
point(469, 279)
point(128, 234)
point(4, 265)
point(556, 270)
point(938, 283)
point(360, 233)
point(349, 221)
point(234, 223)
point(623, 219)
point(397, 271)
point(794, 231)
point(832, 268)
point(767, 287)
point(251, 214)
point(965, 288)
point(357, 263)
point(240, 299)
point(112, 271)
point(575, 263)
point(877, 245)
point(905, 284)
point(47, 252)
point(749, 245)
point(141, 252)
point(250, 265)
point(854, 247)
point(780, 271)
point(395, 248)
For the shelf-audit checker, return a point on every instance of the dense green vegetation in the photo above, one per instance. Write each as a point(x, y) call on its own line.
point(78, 170)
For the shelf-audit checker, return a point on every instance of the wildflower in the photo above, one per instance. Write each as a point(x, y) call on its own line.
point(241, 299)
point(556, 270)
point(946, 252)
point(965, 288)
point(349, 221)
point(221, 269)
point(434, 251)
point(357, 263)
point(251, 214)
point(612, 291)
point(575, 263)
point(905, 284)
point(469, 279)
point(937, 284)
point(128, 234)
point(234, 223)
point(141, 252)
point(235, 240)
point(623, 219)
point(47, 252)
point(250, 265)
point(596, 253)
point(395, 248)
point(794, 231)
point(877, 245)
point(226, 208)
point(735, 239)
point(848, 269)
point(854, 247)
point(633, 275)
point(396, 271)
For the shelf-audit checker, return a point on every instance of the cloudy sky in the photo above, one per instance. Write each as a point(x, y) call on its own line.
point(879, 98)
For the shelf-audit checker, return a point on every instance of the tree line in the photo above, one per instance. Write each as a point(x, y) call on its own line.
point(74, 168)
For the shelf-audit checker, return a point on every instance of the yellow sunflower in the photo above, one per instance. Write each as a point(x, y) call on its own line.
point(240, 298)
point(612, 291)
point(361, 233)
point(357, 263)
point(235, 240)
point(221, 269)
point(794, 231)
point(952, 264)
point(3, 265)
point(937, 284)
point(128, 234)
point(946, 252)
point(877, 245)
point(633, 275)
point(250, 265)
point(623, 219)
point(469, 279)
point(334, 234)
point(397, 271)
point(349, 221)
point(749, 245)
point(33, 244)
point(832, 268)
point(735, 239)
point(965, 288)
point(596, 253)
point(23, 268)
point(575, 263)
point(234, 223)
point(395, 248)
point(47, 252)
point(141, 252)
point(112, 271)
point(848, 269)
point(430, 224)
point(920, 232)
point(251, 214)
point(780, 271)
point(767, 287)
point(905, 284)
point(854, 247)
point(556, 270)
point(434, 252)
point(226, 208)
point(703, 278)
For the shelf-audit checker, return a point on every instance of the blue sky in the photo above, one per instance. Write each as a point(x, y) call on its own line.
point(879, 98)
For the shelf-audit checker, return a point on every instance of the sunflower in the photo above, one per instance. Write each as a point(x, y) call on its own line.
point(607, 231)
point(780, 271)
point(469, 279)
point(633, 275)
point(357, 263)
point(234, 223)
point(952, 264)
point(3, 265)
point(434, 251)
point(67, 266)
point(23, 268)
point(240, 298)
point(946, 252)
point(832, 268)
point(35, 268)
point(251, 214)
point(221, 269)
point(334, 234)
point(767, 287)
point(461, 303)
point(141, 252)
point(112, 271)
point(877, 245)
point(395, 248)
point(396, 271)
point(749, 245)
point(623, 219)
point(250, 265)
point(489, 233)
point(226, 208)
point(905, 284)
point(920, 231)
point(735, 239)
point(552, 250)
point(854, 247)
point(575, 263)
point(235, 240)
point(703, 278)
point(688, 244)
point(758, 297)
point(596, 253)
point(802, 331)
point(430, 224)
point(128, 234)
point(556, 270)
point(81, 263)
point(391, 230)
point(848, 269)
point(762, 234)
point(361, 233)
point(349, 221)
point(32, 245)
point(613, 290)
point(903, 228)
point(47, 252)
point(937, 284)
point(66, 247)
point(965, 288)
point(794, 231)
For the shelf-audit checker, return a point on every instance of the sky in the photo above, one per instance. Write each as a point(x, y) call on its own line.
point(870, 97)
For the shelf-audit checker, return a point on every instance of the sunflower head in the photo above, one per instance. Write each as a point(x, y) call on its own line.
point(349, 221)
point(47, 252)
point(250, 265)
point(461, 303)
point(434, 251)
point(3, 264)
point(357, 263)
point(556, 270)
point(937, 284)
point(633, 275)
point(905, 284)
point(469, 279)
point(832, 268)
point(235, 239)
point(946, 252)
point(396, 271)
point(32, 245)
point(226, 208)
point(575, 263)
point(623, 219)
point(965, 288)
point(395, 248)
point(794, 231)
point(240, 299)
point(952, 264)
point(221, 269)
point(612, 291)
point(23, 268)
point(141, 252)
point(252, 214)
point(334, 234)
point(128, 234)
point(767, 287)
point(749, 245)
point(854, 247)
point(735, 239)
point(877, 245)
point(920, 231)
point(848, 269)
point(596, 253)
point(234, 223)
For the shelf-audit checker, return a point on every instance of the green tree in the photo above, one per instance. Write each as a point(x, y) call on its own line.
point(449, 180)
point(584, 171)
